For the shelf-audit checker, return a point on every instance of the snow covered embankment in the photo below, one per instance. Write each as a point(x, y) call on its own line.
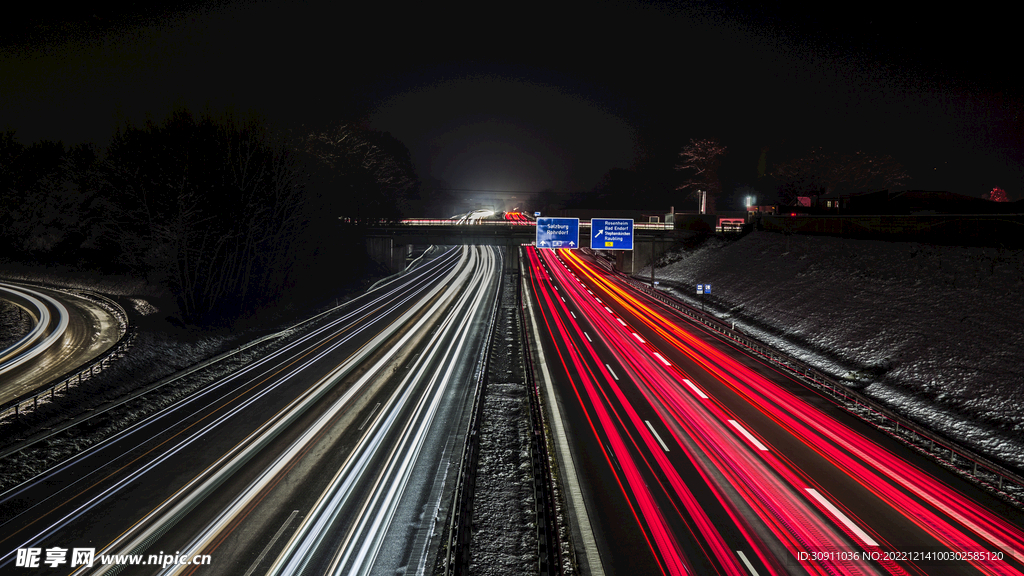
point(934, 332)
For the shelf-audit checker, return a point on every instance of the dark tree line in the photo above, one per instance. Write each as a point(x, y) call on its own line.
point(45, 190)
point(209, 208)
point(220, 210)
point(822, 172)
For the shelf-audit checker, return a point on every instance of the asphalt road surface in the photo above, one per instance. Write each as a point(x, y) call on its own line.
point(69, 331)
point(331, 454)
point(696, 458)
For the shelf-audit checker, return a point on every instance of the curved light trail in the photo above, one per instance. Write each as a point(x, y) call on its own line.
point(452, 288)
point(51, 323)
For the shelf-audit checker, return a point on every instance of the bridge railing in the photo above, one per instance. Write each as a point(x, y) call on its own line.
point(449, 222)
point(583, 223)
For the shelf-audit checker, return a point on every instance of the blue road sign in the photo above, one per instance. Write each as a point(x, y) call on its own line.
point(558, 232)
point(536, 213)
point(700, 288)
point(611, 233)
point(707, 288)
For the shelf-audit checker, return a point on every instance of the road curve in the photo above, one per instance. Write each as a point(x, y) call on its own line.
point(91, 499)
point(69, 331)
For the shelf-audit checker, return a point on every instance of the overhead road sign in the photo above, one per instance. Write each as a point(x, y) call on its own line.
point(558, 232)
point(611, 233)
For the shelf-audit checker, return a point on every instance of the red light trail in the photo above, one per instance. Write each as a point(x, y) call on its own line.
point(766, 497)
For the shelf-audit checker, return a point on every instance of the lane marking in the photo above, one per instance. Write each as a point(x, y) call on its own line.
point(573, 315)
point(620, 321)
point(662, 358)
point(369, 415)
point(272, 542)
point(653, 431)
point(637, 336)
point(748, 435)
point(563, 299)
point(612, 371)
point(695, 389)
point(746, 562)
point(608, 309)
point(588, 337)
point(842, 517)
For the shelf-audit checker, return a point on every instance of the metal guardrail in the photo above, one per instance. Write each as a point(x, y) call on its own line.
point(548, 538)
point(461, 517)
point(982, 471)
point(107, 304)
point(31, 400)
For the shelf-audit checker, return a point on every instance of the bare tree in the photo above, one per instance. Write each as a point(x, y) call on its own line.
point(997, 195)
point(702, 158)
point(210, 207)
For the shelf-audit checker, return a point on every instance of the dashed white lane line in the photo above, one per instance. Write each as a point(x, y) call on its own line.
point(748, 435)
point(609, 310)
point(655, 432)
point(272, 542)
point(637, 336)
point(620, 321)
point(696, 390)
point(662, 358)
point(588, 337)
point(746, 562)
point(612, 372)
point(369, 415)
point(573, 315)
point(842, 517)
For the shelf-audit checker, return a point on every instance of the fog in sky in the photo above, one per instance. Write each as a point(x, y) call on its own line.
point(548, 95)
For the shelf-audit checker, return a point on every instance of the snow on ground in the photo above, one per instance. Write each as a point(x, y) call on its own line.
point(14, 324)
point(934, 332)
point(504, 538)
point(66, 277)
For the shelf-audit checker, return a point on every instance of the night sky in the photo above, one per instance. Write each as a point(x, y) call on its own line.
point(524, 96)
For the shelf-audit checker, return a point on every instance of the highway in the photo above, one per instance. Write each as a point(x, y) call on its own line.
point(67, 332)
point(696, 458)
point(332, 454)
point(336, 453)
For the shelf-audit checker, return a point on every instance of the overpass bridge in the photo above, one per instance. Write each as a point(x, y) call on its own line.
point(391, 244)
